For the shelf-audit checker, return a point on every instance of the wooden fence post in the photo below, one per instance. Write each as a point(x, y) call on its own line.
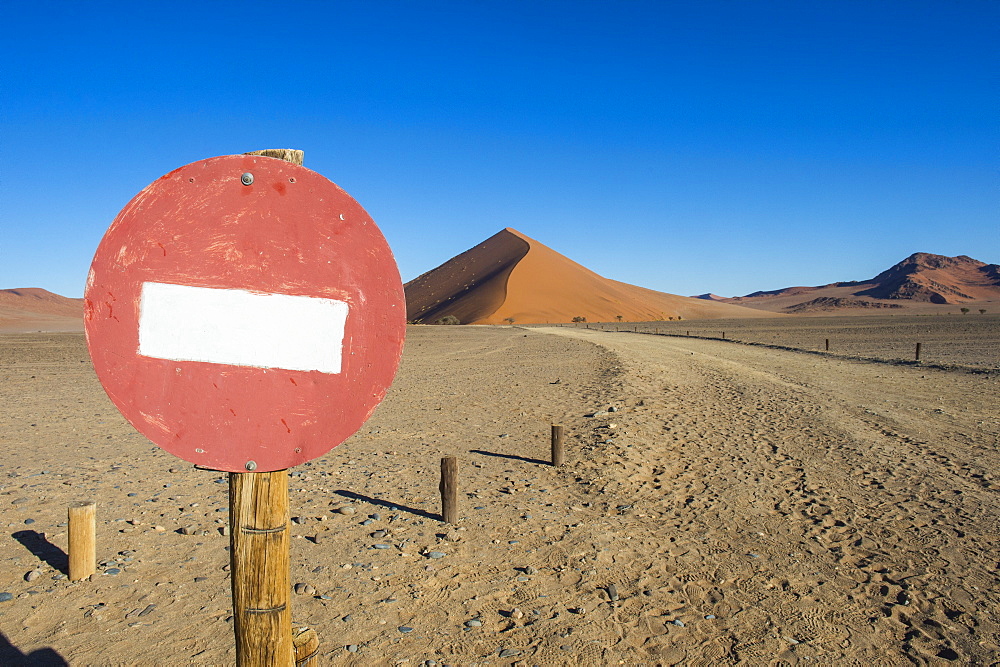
point(82, 540)
point(827, 344)
point(558, 451)
point(449, 489)
point(916, 356)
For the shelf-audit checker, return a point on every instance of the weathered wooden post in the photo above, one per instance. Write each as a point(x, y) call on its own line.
point(82, 540)
point(449, 489)
point(827, 344)
point(260, 565)
point(916, 355)
point(558, 451)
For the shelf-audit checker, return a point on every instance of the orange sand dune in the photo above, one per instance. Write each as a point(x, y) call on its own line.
point(512, 277)
point(33, 309)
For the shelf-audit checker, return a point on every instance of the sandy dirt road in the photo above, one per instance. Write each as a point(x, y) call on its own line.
point(845, 510)
point(741, 505)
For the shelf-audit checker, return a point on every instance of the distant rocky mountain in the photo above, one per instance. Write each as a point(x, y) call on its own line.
point(922, 279)
point(709, 297)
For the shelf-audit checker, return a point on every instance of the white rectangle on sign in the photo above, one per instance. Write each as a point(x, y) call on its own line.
point(241, 328)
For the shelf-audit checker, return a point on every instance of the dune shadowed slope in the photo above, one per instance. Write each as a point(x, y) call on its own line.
point(510, 277)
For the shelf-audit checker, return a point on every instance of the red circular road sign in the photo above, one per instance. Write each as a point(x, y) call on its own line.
point(245, 313)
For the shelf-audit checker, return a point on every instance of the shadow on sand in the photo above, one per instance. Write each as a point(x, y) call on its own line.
point(513, 457)
point(38, 545)
point(10, 656)
point(389, 505)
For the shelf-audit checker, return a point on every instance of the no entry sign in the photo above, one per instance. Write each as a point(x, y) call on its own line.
point(244, 313)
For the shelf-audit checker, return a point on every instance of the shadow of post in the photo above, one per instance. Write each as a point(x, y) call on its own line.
point(513, 457)
point(389, 505)
point(38, 545)
point(11, 656)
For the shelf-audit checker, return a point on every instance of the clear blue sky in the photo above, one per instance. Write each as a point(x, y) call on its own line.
point(706, 145)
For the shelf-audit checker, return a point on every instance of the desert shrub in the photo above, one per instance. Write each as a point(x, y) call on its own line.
point(982, 311)
point(578, 318)
point(447, 319)
point(509, 320)
point(964, 310)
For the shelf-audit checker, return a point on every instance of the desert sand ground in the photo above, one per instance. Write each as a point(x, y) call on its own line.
point(742, 504)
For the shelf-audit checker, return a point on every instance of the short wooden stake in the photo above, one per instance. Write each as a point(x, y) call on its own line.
point(82, 540)
point(260, 568)
point(558, 450)
point(916, 356)
point(306, 644)
point(827, 344)
point(723, 335)
point(449, 489)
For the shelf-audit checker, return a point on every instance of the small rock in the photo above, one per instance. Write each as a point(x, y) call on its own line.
point(198, 580)
point(379, 533)
point(346, 509)
point(188, 530)
point(112, 571)
point(679, 623)
point(710, 617)
point(529, 570)
point(29, 521)
point(509, 652)
point(31, 576)
point(404, 629)
point(453, 536)
point(516, 613)
point(473, 623)
point(380, 546)
point(612, 592)
point(6, 597)
point(436, 554)
point(159, 529)
point(352, 648)
point(304, 589)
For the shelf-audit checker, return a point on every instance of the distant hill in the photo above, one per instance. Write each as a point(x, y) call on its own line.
point(512, 277)
point(922, 281)
point(33, 309)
